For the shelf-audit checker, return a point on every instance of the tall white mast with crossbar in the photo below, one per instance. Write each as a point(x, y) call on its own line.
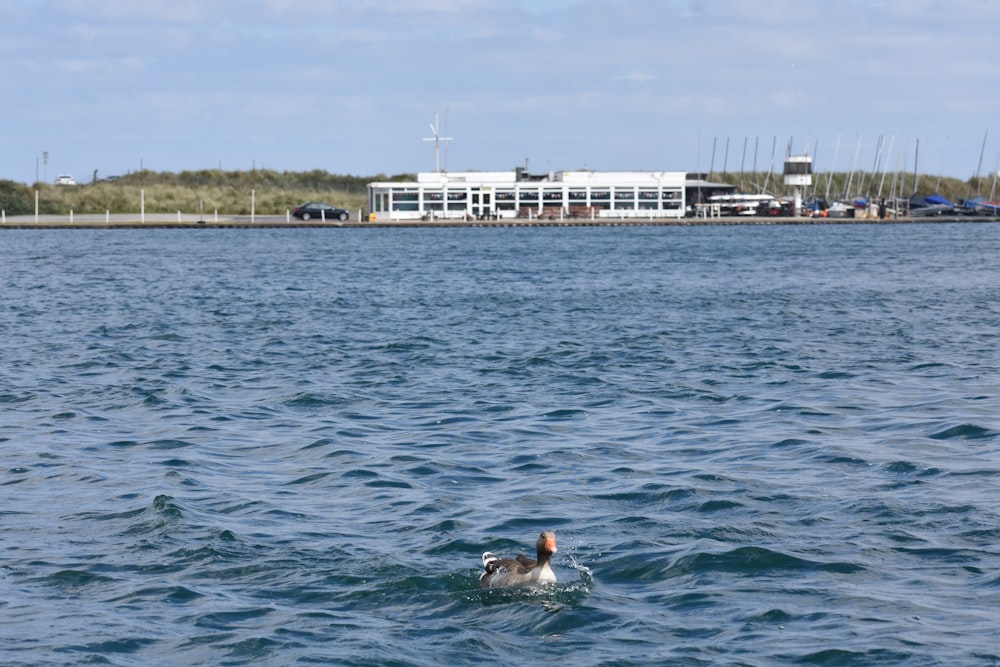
point(437, 139)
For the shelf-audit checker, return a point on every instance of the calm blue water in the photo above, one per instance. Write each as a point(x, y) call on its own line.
point(757, 445)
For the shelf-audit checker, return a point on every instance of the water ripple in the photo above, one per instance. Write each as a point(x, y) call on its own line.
point(757, 446)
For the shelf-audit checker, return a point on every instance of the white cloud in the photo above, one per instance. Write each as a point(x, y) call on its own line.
point(637, 77)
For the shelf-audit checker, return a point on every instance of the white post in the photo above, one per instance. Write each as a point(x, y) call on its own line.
point(288, 215)
point(71, 216)
point(322, 214)
point(107, 216)
point(142, 204)
point(253, 205)
point(178, 217)
point(216, 216)
point(4, 215)
point(36, 207)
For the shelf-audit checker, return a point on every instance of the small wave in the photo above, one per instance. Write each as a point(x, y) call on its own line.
point(836, 657)
point(791, 442)
point(963, 432)
point(322, 442)
point(169, 444)
point(310, 400)
point(74, 580)
point(309, 479)
point(565, 413)
point(252, 648)
point(124, 443)
point(773, 616)
point(7, 397)
point(165, 506)
point(177, 463)
point(553, 598)
point(902, 467)
point(228, 620)
point(927, 365)
point(713, 506)
point(110, 516)
point(170, 594)
point(388, 484)
point(835, 459)
point(101, 648)
point(755, 560)
point(835, 375)
point(163, 513)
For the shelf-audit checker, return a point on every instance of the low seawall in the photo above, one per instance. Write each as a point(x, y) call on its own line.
point(180, 221)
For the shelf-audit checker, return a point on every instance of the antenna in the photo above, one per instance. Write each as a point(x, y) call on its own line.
point(445, 162)
point(437, 139)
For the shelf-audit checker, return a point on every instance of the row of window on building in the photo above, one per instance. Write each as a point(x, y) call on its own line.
point(408, 199)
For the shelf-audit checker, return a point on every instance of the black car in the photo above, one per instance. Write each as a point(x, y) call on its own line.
point(320, 211)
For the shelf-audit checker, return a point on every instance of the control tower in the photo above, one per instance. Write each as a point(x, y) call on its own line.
point(798, 174)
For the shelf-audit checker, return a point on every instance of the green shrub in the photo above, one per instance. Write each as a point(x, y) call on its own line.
point(16, 199)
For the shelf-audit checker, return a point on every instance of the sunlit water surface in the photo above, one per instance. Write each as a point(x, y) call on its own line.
point(757, 445)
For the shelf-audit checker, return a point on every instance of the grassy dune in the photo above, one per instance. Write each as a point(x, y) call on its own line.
point(274, 193)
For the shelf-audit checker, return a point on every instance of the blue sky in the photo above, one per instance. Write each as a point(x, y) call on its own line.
point(351, 86)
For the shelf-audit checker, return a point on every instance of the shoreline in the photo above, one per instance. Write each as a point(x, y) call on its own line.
point(178, 221)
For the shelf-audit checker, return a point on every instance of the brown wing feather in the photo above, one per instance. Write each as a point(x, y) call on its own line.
point(509, 564)
point(527, 563)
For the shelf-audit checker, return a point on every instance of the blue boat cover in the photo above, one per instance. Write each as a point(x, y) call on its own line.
point(937, 200)
point(981, 203)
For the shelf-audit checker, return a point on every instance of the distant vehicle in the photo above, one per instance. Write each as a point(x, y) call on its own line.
point(65, 179)
point(320, 210)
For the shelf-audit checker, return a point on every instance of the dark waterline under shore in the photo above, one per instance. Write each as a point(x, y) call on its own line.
point(161, 221)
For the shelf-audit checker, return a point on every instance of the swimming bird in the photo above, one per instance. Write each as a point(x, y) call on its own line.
point(521, 571)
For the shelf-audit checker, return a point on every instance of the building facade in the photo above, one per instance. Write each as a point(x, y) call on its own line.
point(513, 194)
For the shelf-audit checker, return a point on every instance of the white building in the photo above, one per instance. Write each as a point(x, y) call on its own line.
point(510, 194)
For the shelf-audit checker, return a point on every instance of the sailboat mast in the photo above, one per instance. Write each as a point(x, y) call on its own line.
point(756, 145)
point(833, 166)
point(725, 161)
point(993, 188)
point(774, 148)
point(885, 167)
point(878, 156)
point(743, 163)
point(812, 188)
point(711, 165)
point(937, 186)
point(854, 164)
point(979, 167)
